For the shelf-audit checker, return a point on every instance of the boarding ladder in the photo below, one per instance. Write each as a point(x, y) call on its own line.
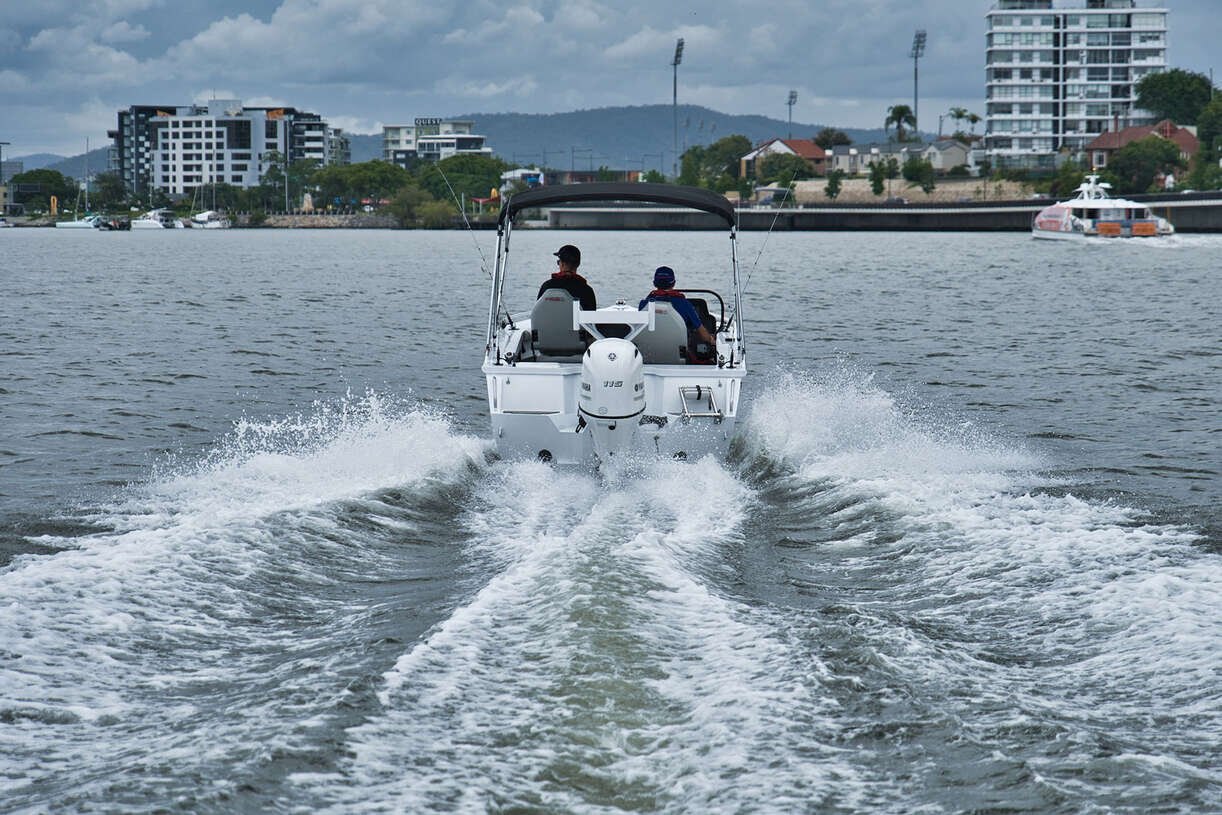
point(699, 402)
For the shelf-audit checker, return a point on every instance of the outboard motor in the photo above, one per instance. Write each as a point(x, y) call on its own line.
point(612, 395)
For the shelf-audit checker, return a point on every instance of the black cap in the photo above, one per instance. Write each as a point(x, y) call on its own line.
point(570, 254)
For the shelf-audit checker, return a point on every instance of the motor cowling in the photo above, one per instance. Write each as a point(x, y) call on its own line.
point(612, 396)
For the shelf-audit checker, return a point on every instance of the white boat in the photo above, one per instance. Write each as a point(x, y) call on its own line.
point(210, 219)
point(585, 387)
point(4, 224)
point(88, 222)
point(1094, 214)
point(157, 219)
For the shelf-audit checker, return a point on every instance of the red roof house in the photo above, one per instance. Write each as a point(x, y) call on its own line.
point(1101, 148)
point(804, 148)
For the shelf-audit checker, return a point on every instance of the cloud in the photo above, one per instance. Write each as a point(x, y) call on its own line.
point(487, 89)
point(124, 31)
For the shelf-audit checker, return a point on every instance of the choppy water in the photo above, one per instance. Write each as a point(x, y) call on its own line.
point(258, 556)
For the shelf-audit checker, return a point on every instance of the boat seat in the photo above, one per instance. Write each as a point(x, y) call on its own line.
point(702, 310)
point(551, 326)
point(666, 344)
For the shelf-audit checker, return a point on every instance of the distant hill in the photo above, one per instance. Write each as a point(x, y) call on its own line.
point(75, 167)
point(36, 161)
point(620, 137)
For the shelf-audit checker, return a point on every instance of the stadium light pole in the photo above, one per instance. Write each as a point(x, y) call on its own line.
point(918, 51)
point(793, 98)
point(674, 63)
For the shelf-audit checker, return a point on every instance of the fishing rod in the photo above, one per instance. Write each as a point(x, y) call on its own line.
point(764, 245)
point(483, 261)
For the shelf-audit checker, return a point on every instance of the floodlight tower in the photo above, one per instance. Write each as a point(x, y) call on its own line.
point(674, 63)
point(918, 51)
point(793, 99)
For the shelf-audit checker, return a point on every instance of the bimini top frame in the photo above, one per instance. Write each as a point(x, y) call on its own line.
point(690, 197)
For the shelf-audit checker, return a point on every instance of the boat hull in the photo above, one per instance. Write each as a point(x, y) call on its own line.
point(535, 412)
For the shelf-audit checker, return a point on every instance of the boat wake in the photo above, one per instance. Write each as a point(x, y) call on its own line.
point(604, 668)
point(868, 607)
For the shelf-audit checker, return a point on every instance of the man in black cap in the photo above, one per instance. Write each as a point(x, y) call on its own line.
point(568, 258)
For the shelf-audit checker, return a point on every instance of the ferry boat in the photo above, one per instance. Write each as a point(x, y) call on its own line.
point(589, 387)
point(1094, 214)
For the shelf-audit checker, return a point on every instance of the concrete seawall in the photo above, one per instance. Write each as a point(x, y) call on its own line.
point(1197, 213)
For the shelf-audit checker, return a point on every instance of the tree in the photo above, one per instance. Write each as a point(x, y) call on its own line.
point(903, 118)
point(834, 179)
point(1177, 95)
point(655, 177)
point(108, 191)
point(974, 119)
point(958, 114)
point(784, 168)
point(1134, 166)
point(407, 202)
point(919, 172)
point(829, 137)
point(468, 175)
point(878, 177)
point(436, 214)
point(891, 171)
point(715, 166)
point(34, 188)
point(1209, 132)
point(1069, 177)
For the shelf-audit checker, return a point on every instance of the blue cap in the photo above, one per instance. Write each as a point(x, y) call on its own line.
point(664, 276)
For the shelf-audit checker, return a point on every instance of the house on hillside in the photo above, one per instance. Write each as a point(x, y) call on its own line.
point(815, 155)
point(1101, 149)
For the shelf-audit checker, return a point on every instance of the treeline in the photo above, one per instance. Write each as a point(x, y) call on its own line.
point(426, 195)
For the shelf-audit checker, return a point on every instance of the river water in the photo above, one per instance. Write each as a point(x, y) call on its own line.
point(256, 553)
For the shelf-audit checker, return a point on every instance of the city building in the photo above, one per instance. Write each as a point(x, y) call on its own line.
point(1058, 75)
point(815, 155)
point(176, 149)
point(431, 139)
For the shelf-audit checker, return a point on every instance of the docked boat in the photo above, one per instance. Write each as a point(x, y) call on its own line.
point(157, 219)
point(584, 387)
point(88, 222)
point(210, 219)
point(4, 224)
point(1093, 213)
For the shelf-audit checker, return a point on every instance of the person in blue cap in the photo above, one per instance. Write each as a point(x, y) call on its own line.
point(664, 291)
point(568, 258)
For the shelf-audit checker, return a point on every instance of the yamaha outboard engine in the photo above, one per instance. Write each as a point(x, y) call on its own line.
point(612, 395)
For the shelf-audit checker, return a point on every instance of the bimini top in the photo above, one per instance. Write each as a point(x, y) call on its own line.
point(693, 197)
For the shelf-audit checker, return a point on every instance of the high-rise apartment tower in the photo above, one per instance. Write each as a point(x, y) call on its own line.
point(1057, 77)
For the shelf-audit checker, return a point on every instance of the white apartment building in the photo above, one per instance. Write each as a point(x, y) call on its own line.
point(1058, 75)
point(431, 139)
point(176, 149)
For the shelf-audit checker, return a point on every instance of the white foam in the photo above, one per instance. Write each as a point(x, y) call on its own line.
point(1020, 597)
point(173, 601)
point(599, 670)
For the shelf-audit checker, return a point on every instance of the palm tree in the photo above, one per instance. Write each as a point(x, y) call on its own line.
point(902, 117)
point(958, 114)
point(973, 119)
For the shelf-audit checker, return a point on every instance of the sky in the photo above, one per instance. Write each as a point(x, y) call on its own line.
point(68, 66)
